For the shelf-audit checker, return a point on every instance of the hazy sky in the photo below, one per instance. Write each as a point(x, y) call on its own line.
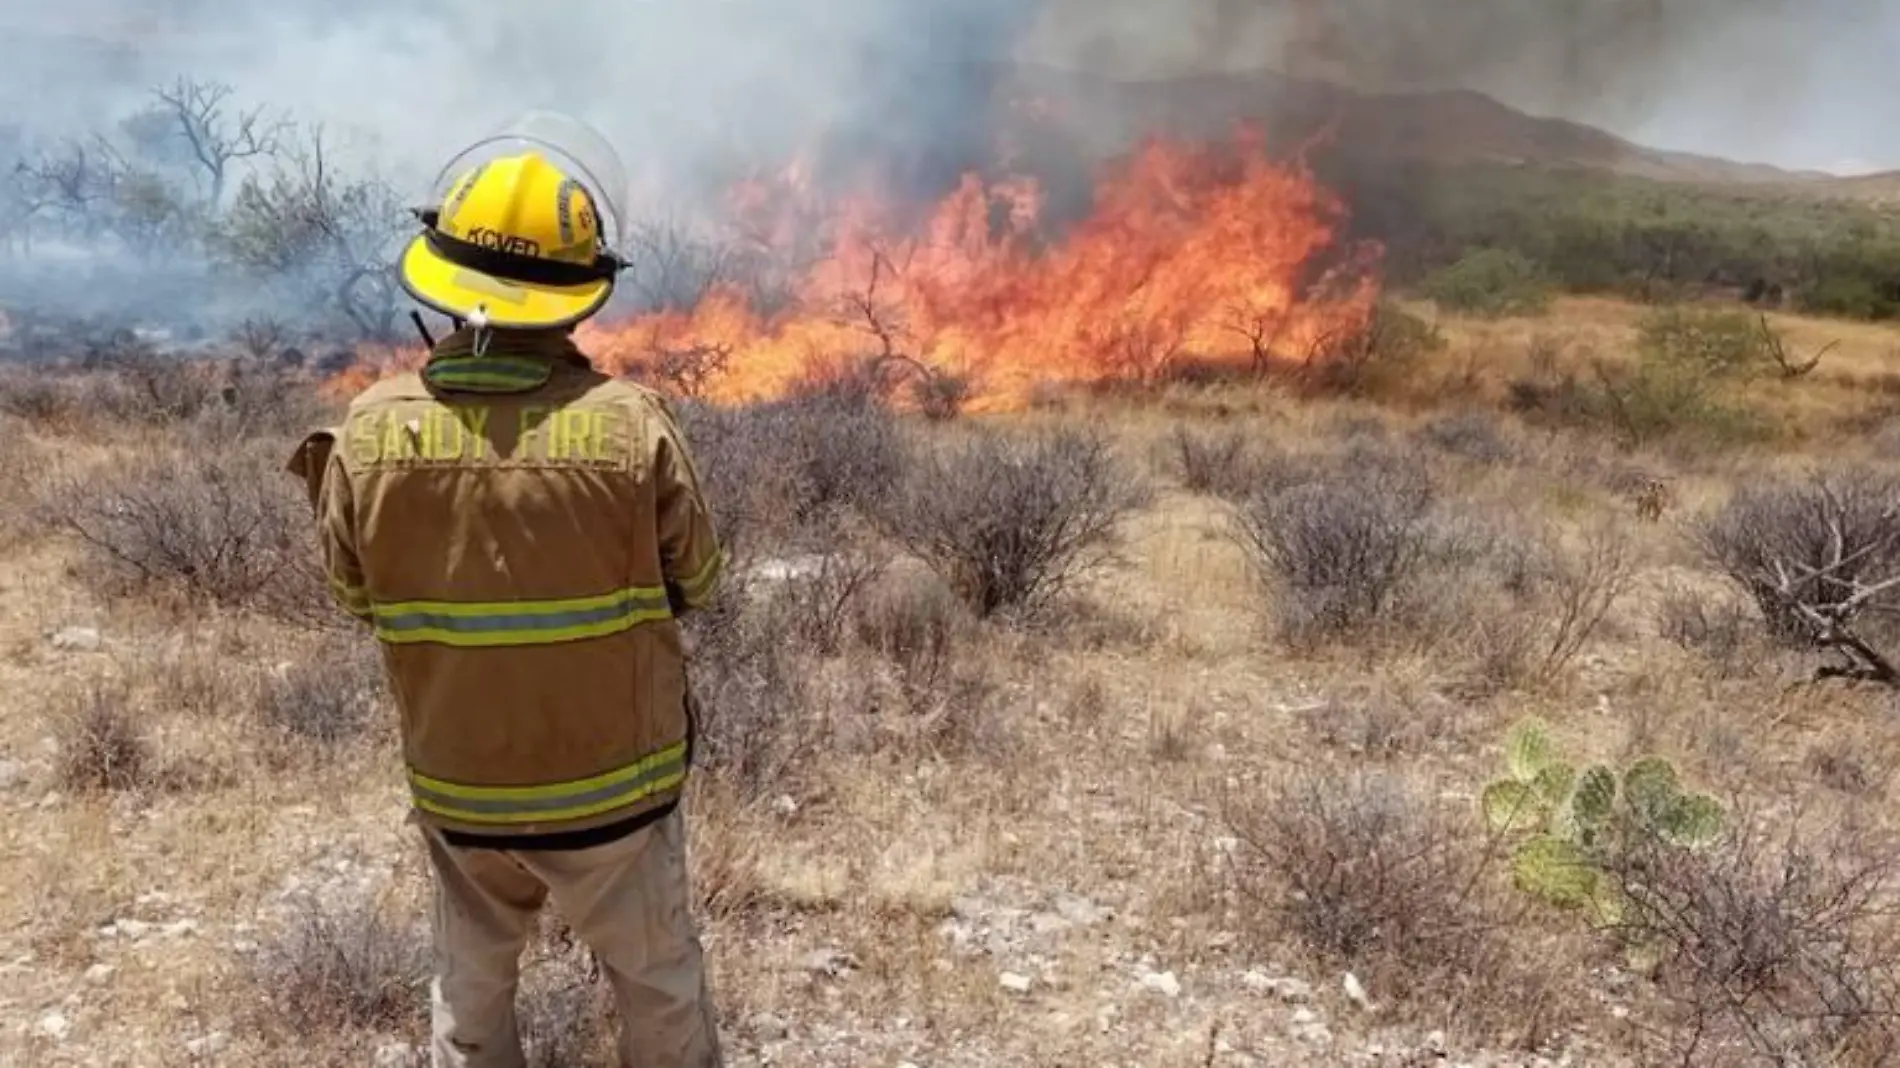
point(1814, 84)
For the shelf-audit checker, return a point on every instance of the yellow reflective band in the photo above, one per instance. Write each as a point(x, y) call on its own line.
point(639, 781)
point(501, 623)
point(488, 374)
point(696, 588)
point(354, 599)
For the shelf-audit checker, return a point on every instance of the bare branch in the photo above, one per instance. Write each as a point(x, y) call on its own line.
point(216, 140)
point(1778, 351)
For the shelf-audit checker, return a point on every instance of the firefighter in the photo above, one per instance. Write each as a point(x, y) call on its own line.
point(522, 533)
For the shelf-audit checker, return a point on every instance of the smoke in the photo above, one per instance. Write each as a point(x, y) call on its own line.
point(1785, 81)
point(682, 88)
point(691, 93)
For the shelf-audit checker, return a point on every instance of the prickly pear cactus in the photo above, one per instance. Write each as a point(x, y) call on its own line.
point(1564, 820)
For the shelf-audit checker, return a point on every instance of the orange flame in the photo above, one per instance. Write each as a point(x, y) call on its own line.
point(1191, 254)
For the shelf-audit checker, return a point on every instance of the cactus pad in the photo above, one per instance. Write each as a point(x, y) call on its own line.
point(1693, 820)
point(1527, 749)
point(1594, 797)
point(1510, 806)
point(1652, 787)
point(1554, 870)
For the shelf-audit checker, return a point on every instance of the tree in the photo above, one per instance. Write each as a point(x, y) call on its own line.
point(331, 237)
point(214, 139)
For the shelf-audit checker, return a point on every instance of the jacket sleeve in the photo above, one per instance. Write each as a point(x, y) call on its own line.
point(327, 486)
point(337, 533)
point(690, 554)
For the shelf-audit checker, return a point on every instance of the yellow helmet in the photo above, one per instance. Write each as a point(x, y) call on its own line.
point(516, 243)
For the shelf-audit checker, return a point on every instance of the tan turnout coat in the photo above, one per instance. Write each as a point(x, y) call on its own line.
point(521, 531)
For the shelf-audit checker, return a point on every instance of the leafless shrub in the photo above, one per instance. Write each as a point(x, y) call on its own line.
point(36, 397)
point(329, 698)
point(104, 745)
point(1579, 590)
point(1472, 435)
point(1340, 542)
point(941, 395)
point(343, 964)
point(157, 390)
point(751, 693)
point(1840, 764)
point(776, 472)
point(1369, 873)
point(818, 593)
point(1010, 522)
point(1816, 556)
point(1217, 463)
point(260, 336)
point(1720, 630)
point(21, 459)
point(219, 526)
point(915, 624)
point(1774, 946)
point(1381, 726)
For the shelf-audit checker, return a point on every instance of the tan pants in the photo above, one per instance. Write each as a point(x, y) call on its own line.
point(627, 901)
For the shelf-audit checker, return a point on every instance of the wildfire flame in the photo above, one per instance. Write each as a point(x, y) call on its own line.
point(1202, 254)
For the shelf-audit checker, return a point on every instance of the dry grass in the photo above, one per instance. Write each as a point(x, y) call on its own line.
point(904, 801)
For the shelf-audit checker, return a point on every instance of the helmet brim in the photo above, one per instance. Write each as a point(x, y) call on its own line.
point(456, 291)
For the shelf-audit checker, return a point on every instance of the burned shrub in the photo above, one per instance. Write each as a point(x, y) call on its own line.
point(221, 526)
point(343, 965)
point(1339, 537)
point(104, 745)
point(1817, 556)
point(1009, 521)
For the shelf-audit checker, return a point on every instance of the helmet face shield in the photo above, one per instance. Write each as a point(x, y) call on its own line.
point(568, 143)
point(509, 240)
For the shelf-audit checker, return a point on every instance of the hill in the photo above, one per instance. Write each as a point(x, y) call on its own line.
point(1440, 127)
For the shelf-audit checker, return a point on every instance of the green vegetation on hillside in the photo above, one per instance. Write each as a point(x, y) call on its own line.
point(1604, 233)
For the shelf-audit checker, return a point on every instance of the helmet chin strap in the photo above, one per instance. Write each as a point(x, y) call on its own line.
point(483, 335)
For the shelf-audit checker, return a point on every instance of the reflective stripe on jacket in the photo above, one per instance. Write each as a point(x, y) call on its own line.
point(519, 531)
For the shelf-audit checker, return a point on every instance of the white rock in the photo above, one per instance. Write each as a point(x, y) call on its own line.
point(134, 929)
point(1163, 983)
point(393, 1055)
point(768, 1027)
point(1293, 991)
point(1303, 1016)
point(1435, 1042)
point(12, 774)
point(99, 974)
point(210, 1044)
point(1014, 983)
point(1080, 910)
point(829, 962)
point(77, 640)
point(55, 1026)
point(181, 929)
point(1356, 991)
